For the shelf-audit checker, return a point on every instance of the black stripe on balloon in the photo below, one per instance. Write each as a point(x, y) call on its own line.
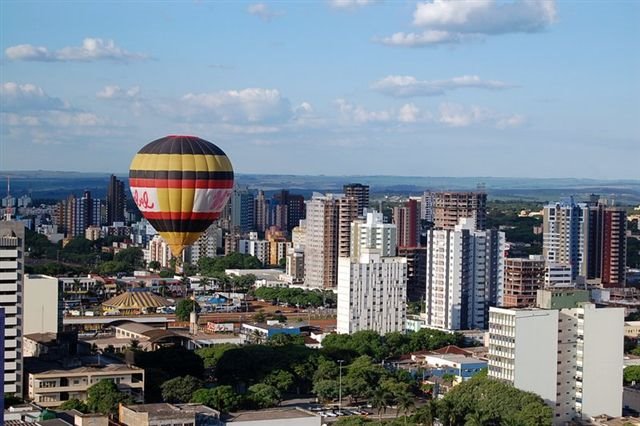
point(166, 225)
point(181, 144)
point(178, 174)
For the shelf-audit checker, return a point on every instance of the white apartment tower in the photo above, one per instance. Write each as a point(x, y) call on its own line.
point(465, 275)
point(571, 357)
point(372, 293)
point(11, 296)
point(565, 235)
point(373, 233)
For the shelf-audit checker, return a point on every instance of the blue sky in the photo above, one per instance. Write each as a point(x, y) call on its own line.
point(478, 88)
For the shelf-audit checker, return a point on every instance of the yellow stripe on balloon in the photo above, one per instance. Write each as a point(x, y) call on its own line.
point(185, 162)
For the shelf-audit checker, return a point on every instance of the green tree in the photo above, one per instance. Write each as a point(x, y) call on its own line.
point(259, 316)
point(631, 374)
point(326, 390)
point(282, 339)
point(488, 401)
point(184, 309)
point(74, 404)
point(179, 389)
point(405, 402)
point(380, 400)
point(211, 355)
point(222, 398)
point(104, 397)
point(133, 257)
point(280, 379)
point(264, 396)
point(154, 265)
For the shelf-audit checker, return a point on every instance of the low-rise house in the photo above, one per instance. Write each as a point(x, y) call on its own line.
point(261, 332)
point(50, 387)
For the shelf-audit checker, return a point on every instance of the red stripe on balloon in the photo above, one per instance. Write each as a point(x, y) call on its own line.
point(182, 215)
point(181, 183)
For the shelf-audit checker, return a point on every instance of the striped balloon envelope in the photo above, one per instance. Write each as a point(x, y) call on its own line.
point(180, 184)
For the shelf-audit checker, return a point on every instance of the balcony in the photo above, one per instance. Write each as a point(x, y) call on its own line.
point(8, 275)
point(9, 298)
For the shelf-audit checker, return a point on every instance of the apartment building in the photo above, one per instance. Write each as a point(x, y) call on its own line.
point(372, 293)
point(522, 279)
point(52, 387)
point(464, 276)
point(571, 356)
point(11, 300)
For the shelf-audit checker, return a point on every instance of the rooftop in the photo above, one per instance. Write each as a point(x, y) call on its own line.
point(279, 413)
point(165, 410)
point(42, 338)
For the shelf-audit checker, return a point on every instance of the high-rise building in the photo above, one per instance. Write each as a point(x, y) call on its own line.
point(522, 279)
point(571, 355)
point(11, 300)
point(449, 207)
point(372, 232)
point(565, 235)
point(360, 192)
point(255, 247)
point(116, 201)
point(207, 245)
point(406, 220)
point(261, 212)
point(74, 215)
point(558, 275)
point(590, 237)
point(287, 210)
point(278, 244)
point(464, 276)
point(607, 242)
point(295, 265)
point(372, 293)
point(43, 304)
point(427, 211)
point(242, 204)
point(327, 237)
point(416, 272)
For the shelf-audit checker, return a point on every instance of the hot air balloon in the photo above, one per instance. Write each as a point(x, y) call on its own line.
point(180, 184)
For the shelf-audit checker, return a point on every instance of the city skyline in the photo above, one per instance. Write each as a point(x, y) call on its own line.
point(422, 89)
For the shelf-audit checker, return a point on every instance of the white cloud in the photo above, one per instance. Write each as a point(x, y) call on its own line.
point(455, 21)
point(263, 11)
point(92, 49)
point(408, 113)
point(21, 97)
point(407, 86)
point(351, 4)
point(357, 114)
point(251, 105)
point(455, 115)
point(425, 38)
point(116, 92)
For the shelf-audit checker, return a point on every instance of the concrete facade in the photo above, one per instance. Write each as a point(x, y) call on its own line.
point(571, 357)
point(372, 293)
point(11, 299)
point(43, 304)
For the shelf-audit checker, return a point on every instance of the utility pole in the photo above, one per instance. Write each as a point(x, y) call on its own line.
point(340, 361)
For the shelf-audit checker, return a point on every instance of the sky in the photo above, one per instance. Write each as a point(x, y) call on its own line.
point(530, 88)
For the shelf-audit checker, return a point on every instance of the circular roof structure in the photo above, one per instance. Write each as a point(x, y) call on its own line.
point(131, 300)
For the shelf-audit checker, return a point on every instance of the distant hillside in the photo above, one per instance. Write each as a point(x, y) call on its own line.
point(55, 184)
